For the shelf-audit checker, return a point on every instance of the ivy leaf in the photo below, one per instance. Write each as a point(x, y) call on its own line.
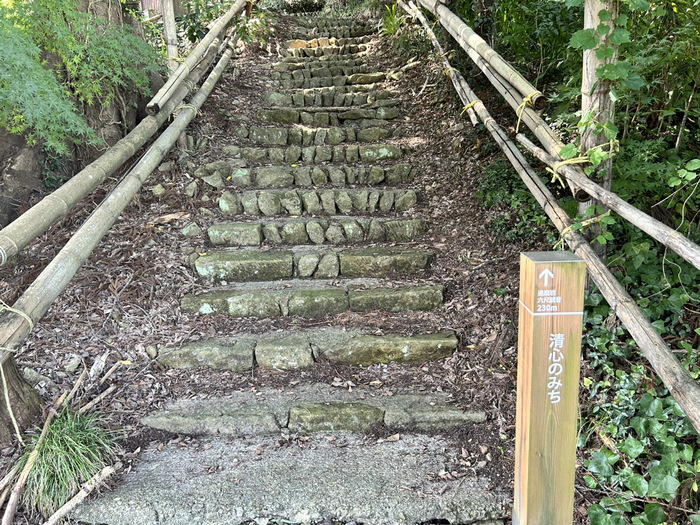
point(604, 52)
point(632, 448)
point(695, 519)
point(634, 81)
point(568, 152)
point(584, 39)
point(600, 464)
point(619, 36)
point(663, 486)
point(638, 484)
point(599, 516)
point(654, 514)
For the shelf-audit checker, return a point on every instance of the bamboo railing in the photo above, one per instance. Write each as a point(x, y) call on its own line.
point(681, 385)
point(35, 221)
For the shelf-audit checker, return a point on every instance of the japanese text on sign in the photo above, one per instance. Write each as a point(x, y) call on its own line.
point(555, 367)
point(548, 301)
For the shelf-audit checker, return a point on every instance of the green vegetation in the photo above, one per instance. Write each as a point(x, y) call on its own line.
point(392, 22)
point(55, 57)
point(76, 447)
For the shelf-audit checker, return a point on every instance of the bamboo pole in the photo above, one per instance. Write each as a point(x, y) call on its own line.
point(170, 32)
point(469, 40)
point(35, 301)
point(655, 229)
point(454, 75)
point(159, 100)
point(40, 217)
point(680, 384)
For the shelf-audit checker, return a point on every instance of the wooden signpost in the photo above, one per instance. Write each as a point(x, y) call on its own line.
point(549, 354)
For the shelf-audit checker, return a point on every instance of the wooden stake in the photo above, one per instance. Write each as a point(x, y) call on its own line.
point(549, 355)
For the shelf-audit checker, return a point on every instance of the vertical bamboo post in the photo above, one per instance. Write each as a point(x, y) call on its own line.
point(549, 354)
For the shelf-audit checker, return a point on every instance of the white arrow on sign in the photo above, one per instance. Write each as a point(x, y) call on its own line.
point(546, 275)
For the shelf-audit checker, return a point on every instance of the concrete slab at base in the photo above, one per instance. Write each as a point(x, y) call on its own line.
point(230, 482)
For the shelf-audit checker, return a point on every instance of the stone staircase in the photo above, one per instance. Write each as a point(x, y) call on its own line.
point(316, 219)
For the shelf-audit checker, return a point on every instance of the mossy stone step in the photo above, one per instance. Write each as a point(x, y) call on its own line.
point(219, 174)
point(244, 265)
point(364, 116)
point(326, 42)
point(356, 79)
point(330, 96)
point(340, 154)
point(301, 350)
point(310, 409)
point(329, 50)
point(316, 202)
point(352, 74)
point(292, 63)
point(335, 230)
point(309, 136)
point(313, 299)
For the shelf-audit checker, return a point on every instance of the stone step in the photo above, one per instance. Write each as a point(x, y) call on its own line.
point(313, 81)
point(246, 264)
point(308, 409)
point(367, 153)
point(222, 173)
point(314, 299)
point(341, 96)
point(322, 42)
point(352, 74)
point(335, 230)
point(303, 349)
point(318, 479)
point(292, 63)
point(342, 47)
point(316, 202)
point(376, 115)
point(310, 136)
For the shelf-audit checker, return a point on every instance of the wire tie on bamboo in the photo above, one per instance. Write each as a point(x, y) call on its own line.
point(4, 306)
point(578, 226)
point(186, 106)
point(554, 170)
point(189, 84)
point(527, 101)
point(469, 106)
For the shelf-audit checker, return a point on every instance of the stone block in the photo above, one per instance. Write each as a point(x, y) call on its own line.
point(246, 265)
point(236, 234)
point(395, 299)
point(318, 303)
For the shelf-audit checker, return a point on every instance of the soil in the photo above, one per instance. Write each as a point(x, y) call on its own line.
point(124, 301)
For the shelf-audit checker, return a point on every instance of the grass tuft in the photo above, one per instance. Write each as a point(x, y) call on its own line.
point(76, 447)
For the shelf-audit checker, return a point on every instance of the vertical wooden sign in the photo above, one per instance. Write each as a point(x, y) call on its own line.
point(549, 355)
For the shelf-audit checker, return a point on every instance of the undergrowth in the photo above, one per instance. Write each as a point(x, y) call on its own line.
point(76, 447)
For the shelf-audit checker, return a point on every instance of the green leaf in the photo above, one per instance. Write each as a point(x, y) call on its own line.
point(660, 326)
point(694, 519)
point(568, 152)
point(602, 29)
point(634, 81)
point(639, 5)
point(619, 36)
point(584, 39)
point(632, 448)
point(604, 52)
point(597, 155)
point(604, 15)
point(618, 71)
point(610, 130)
point(693, 165)
point(590, 481)
point(600, 464)
point(621, 21)
point(654, 514)
point(638, 484)
point(663, 486)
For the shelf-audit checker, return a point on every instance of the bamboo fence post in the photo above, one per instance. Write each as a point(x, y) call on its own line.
point(40, 217)
point(655, 229)
point(157, 102)
point(170, 31)
point(684, 389)
point(467, 38)
point(35, 301)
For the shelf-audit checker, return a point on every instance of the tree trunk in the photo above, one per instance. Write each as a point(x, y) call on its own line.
point(25, 402)
point(596, 100)
point(170, 30)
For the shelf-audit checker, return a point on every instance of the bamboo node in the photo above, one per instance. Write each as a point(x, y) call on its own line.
point(527, 101)
point(554, 170)
point(4, 306)
point(469, 106)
